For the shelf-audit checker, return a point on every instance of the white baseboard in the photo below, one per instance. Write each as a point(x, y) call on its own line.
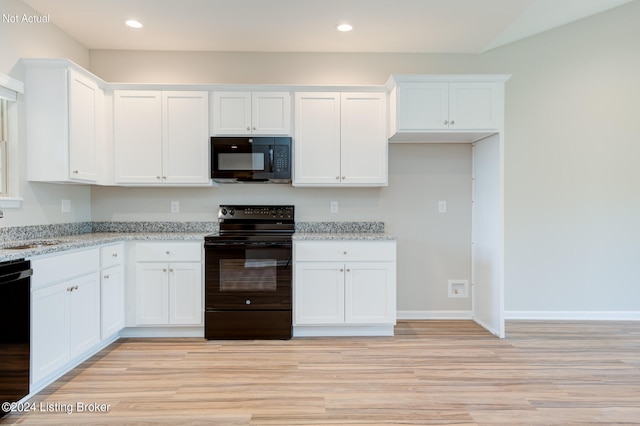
point(434, 315)
point(195, 331)
point(573, 315)
point(342, 331)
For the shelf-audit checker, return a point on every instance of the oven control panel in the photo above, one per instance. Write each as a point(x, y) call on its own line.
point(256, 212)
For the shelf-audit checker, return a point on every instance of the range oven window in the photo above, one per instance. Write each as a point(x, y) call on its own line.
point(260, 274)
point(248, 274)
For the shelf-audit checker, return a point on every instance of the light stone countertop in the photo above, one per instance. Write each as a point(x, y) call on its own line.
point(71, 242)
point(343, 236)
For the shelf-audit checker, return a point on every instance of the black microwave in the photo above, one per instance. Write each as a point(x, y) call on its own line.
point(251, 159)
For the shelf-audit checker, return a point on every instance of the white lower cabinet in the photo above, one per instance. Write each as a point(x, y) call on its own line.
point(112, 289)
point(65, 311)
point(84, 317)
point(344, 288)
point(168, 284)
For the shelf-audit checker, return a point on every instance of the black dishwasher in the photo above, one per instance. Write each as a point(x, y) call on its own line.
point(14, 330)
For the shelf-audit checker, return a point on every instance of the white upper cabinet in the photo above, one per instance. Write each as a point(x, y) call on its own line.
point(161, 137)
point(251, 113)
point(185, 137)
point(363, 141)
point(445, 108)
point(317, 138)
point(65, 122)
point(137, 135)
point(340, 139)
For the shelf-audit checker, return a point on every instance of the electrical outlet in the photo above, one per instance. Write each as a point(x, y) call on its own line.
point(333, 206)
point(66, 206)
point(175, 207)
point(442, 206)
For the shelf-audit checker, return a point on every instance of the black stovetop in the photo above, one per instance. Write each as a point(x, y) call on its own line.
point(254, 223)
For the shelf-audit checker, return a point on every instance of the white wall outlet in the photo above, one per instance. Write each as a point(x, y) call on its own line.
point(458, 288)
point(175, 207)
point(333, 207)
point(442, 206)
point(66, 206)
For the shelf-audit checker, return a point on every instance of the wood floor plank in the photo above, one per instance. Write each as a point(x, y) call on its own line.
point(430, 373)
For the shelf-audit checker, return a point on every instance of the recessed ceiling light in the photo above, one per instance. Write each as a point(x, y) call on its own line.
point(132, 23)
point(344, 27)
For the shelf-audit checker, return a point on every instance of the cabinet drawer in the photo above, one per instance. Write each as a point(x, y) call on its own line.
point(168, 252)
point(332, 251)
point(52, 269)
point(111, 255)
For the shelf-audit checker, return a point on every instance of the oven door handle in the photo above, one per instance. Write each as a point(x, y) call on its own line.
point(256, 244)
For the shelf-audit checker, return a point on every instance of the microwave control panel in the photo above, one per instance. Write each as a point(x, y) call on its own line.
point(281, 158)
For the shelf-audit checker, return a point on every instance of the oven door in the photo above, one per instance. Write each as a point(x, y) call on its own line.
point(246, 276)
point(242, 158)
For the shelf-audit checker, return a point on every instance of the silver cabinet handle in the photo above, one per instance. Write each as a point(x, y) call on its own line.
point(75, 172)
point(338, 177)
point(171, 270)
point(158, 177)
point(106, 277)
point(344, 252)
point(341, 270)
point(446, 121)
point(248, 128)
point(164, 270)
point(452, 122)
point(114, 255)
point(168, 252)
point(348, 270)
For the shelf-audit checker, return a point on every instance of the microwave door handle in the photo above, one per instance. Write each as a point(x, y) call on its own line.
point(270, 158)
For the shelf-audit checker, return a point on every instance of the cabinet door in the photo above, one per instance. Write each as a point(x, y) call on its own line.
point(138, 136)
point(112, 301)
point(423, 106)
point(363, 139)
point(473, 106)
point(271, 113)
point(185, 299)
point(152, 293)
point(319, 293)
point(185, 137)
point(232, 113)
point(84, 314)
point(317, 138)
point(83, 138)
point(49, 330)
point(370, 293)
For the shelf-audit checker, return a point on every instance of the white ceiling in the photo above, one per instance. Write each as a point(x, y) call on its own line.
point(426, 26)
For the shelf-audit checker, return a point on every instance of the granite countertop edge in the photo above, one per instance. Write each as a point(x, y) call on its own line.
point(78, 241)
point(350, 236)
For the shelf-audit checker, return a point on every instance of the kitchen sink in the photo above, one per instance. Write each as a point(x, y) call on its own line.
point(34, 245)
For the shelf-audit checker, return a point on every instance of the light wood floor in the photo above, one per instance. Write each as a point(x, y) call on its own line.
point(431, 372)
